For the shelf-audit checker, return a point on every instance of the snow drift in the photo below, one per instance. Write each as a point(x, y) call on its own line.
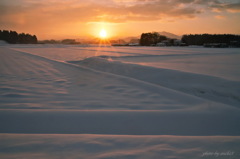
point(97, 107)
point(204, 86)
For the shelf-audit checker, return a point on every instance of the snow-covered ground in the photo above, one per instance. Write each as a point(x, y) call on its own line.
point(63, 101)
point(86, 146)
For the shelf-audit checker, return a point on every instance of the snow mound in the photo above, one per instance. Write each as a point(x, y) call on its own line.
point(3, 42)
point(34, 82)
point(204, 86)
point(100, 108)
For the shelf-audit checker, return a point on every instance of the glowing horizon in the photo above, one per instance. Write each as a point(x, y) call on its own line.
point(50, 19)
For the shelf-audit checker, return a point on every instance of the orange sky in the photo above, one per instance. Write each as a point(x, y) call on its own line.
point(58, 19)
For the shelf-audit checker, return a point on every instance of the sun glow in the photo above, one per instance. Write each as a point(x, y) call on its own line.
point(103, 34)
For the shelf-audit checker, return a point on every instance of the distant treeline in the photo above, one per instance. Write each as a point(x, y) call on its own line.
point(148, 39)
point(201, 39)
point(13, 37)
point(65, 41)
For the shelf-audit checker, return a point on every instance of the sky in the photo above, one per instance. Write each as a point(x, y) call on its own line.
point(60, 19)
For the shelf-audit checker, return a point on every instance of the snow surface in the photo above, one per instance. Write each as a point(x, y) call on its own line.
point(218, 62)
point(85, 146)
point(70, 101)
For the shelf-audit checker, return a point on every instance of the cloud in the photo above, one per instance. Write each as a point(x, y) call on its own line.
point(152, 10)
point(220, 17)
point(229, 7)
point(233, 7)
point(44, 13)
point(75, 11)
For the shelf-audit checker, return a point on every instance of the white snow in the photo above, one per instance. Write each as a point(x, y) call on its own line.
point(86, 146)
point(59, 101)
point(4, 43)
point(218, 62)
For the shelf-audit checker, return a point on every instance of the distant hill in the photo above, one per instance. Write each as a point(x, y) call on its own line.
point(128, 39)
point(170, 35)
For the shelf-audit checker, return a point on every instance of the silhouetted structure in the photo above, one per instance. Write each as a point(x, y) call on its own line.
point(148, 39)
point(13, 37)
point(221, 40)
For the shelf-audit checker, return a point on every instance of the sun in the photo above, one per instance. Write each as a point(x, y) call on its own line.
point(103, 34)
